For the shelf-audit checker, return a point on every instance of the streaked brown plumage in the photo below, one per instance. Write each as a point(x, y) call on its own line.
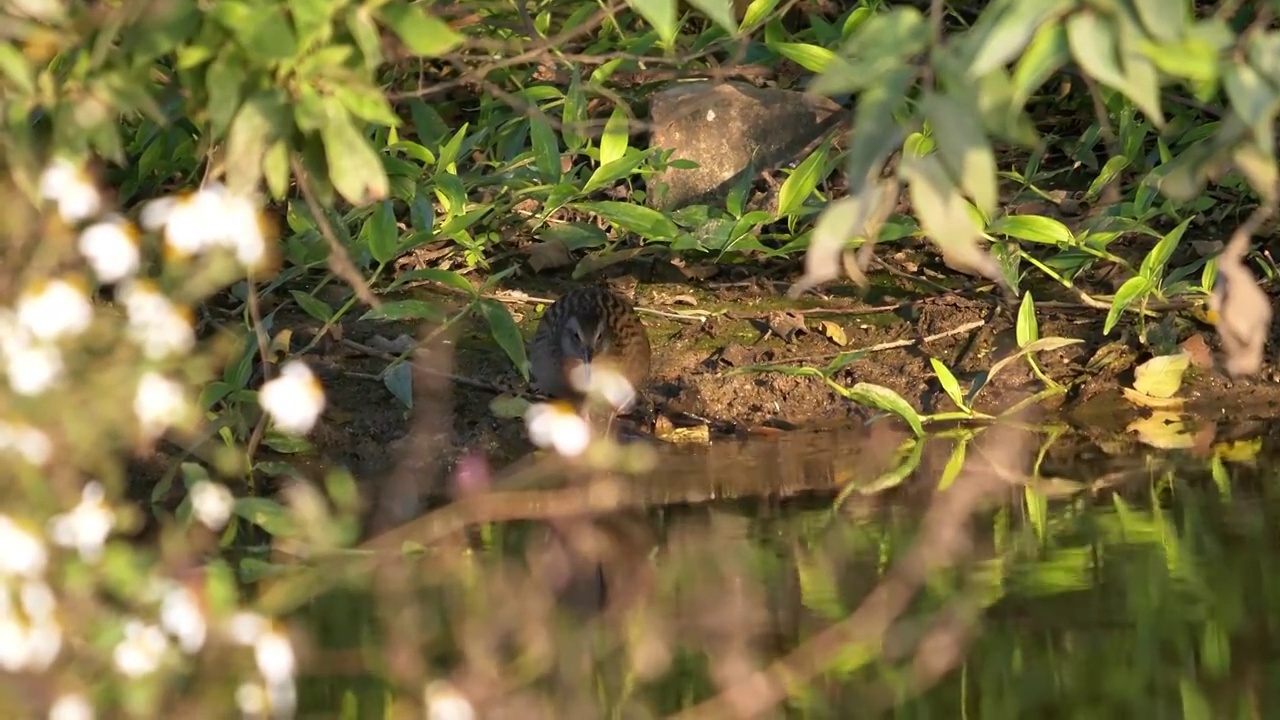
point(588, 324)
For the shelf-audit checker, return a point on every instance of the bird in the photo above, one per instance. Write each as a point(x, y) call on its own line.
point(588, 325)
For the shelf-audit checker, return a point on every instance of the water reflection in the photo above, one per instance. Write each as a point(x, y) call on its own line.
point(732, 581)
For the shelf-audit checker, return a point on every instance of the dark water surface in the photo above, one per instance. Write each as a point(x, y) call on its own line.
point(1118, 581)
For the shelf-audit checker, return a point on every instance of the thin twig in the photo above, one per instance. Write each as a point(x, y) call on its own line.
point(339, 261)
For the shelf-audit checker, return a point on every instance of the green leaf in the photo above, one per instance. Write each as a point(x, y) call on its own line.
point(648, 223)
point(661, 14)
point(1048, 343)
point(546, 149)
point(405, 310)
point(1135, 288)
point(1027, 330)
point(1047, 53)
point(223, 81)
point(287, 444)
point(398, 379)
point(1154, 263)
point(1166, 21)
point(719, 12)
point(443, 277)
point(1032, 228)
point(575, 235)
point(613, 143)
point(963, 145)
point(814, 58)
point(266, 514)
point(275, 168)
point(606, 175)
point(505, 332)
point(1003, 29)
point(950, 385)
point(881, 45)
point(878, 132)
point(882, 398)
point(944, 216)
point(261, 28)
point(384, 236)
point(312, 306)
point(803, 181)
point(355, 169)
point(424, 34)
point(367, 103)
point(255, 128)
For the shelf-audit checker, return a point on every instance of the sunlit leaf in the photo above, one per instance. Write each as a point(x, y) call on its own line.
point(1153, 264)
point(1161, 376)
point(882, 398)
point(505, 332)
point(421, 32)
point(803, 181)
point(354, 168)
point(661, 14)
point(950, 385)
point(1032, 228)
point(253, 130)
point(720, 12)
point(613, 143)
point(1133, 289)
point(1027, 329)
point(648, 223)
point(963, 145)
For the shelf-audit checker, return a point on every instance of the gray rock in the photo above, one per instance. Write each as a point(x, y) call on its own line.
point(728, 129)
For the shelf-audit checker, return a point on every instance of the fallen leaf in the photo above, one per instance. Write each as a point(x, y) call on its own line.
point(549, 254)
point(834, 333)
point(401, 343)
point(1197, 349)
point(1164, 430)
point(1161, 376)
point(786, 325)
point(1142, 399)
point(736, 356)
point(508, 406)
point(699, 434)
point(679, 300)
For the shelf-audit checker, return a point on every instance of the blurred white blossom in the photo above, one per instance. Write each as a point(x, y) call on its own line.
point(87, 525)
point(246, 627)
point(161, 328)
point(54, 309)
point(21, 552)
point(182, 617)
point(111, 248)
point(141, 650)
point(212, 503)
point(294, 400)
point(274, 654)
point(72, 189)
point(159, 404)
point(251, 698)
point(32, 368)
point(31, 443)
point(556, 425)
point(209, 217)
point(31, 641)
point(603, 382)
point(444, 702)
point(72, 706)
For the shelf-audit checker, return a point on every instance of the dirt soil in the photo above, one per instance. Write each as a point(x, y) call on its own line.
point(705, 332)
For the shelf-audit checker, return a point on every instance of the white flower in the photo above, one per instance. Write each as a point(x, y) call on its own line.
point(251, 698)
point(111, 248)
point(181, 616)
point(71, 707)
point(274, 655)
point(72, 189)
point(246, 627)
point(444, 702)
point(15, 651)
point(208, 218)
point(44, 641)
point(88, 524)
point(294, 400)
point(604, 382)
point(37, 600)
point(141, 650)
point(54, 310)
point(32, 444)
point(160, 328)
point(159, 404)
point(557, 426)
point(21, 553)
point(32, 368)
point(212, 504)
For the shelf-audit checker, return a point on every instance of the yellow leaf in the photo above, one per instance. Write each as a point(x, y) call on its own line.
point(1161, 376)
point(834, 333)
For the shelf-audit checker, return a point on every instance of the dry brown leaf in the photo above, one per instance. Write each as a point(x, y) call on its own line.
point(834, 333)
point(1244, 315)
point(549, 254)
point(786, 325)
